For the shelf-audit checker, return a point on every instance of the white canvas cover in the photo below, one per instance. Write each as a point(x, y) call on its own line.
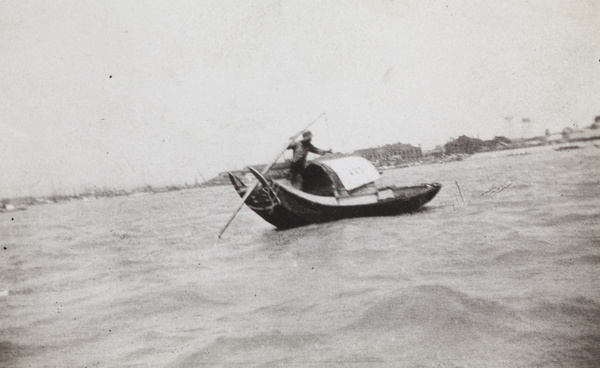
point(353, 171)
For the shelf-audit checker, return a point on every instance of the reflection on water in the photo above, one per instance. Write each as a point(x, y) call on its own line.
point(509, 278)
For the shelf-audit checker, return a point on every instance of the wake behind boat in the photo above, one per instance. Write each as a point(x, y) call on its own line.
point(331, 190)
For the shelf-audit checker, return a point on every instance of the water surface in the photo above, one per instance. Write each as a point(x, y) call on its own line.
point(506, 275)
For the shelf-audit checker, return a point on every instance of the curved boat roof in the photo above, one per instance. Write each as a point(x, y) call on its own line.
point(348, 172)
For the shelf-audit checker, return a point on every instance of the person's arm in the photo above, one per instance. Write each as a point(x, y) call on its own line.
point(318, 151)
point(292, 145)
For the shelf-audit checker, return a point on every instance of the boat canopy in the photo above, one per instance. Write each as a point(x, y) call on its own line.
point(347, 173)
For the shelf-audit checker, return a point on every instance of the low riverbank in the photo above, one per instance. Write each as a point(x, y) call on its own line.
point(22, 203)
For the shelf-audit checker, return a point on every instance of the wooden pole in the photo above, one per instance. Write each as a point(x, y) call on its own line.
point(264, 172)
point(459, 191)
point(202, 176)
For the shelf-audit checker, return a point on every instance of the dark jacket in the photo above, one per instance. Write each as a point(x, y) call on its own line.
point(301, 150)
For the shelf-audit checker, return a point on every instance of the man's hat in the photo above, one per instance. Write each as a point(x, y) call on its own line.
point(306, 135)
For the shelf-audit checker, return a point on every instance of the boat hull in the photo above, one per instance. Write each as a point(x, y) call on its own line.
point(285, 207)
point(263, 203)
point(313, 211)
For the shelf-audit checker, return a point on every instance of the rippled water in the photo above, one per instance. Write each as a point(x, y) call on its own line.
point(505, 279)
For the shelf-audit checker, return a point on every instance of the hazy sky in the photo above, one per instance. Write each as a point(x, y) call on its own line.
point(124, 93)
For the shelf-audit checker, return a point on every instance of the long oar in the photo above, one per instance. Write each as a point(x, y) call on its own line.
point(265, 171)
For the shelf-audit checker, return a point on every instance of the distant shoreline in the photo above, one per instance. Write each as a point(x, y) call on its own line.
point(22, 203)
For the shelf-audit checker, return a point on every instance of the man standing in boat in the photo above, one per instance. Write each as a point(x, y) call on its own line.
point(301, 150)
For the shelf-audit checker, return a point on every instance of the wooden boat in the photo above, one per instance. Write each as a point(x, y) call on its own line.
point(331, 190)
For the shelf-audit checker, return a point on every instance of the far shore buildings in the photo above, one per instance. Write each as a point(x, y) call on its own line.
point(468, 145)
point(400, 154)
point(391, 154)
point(586, 134)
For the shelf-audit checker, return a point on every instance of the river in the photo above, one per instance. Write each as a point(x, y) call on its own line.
point(504, 273)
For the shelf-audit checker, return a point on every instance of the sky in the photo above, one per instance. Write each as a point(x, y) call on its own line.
point(119, 94)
